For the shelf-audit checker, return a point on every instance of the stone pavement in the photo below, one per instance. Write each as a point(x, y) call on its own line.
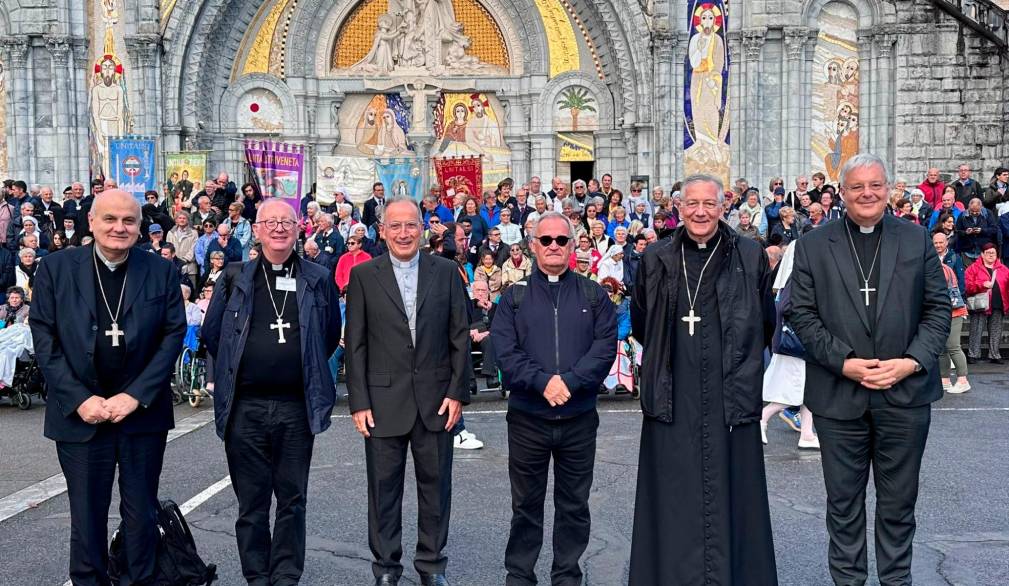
point(963, 524)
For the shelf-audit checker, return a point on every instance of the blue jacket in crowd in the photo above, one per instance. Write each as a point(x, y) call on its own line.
point(225, 333)
point(571, 338)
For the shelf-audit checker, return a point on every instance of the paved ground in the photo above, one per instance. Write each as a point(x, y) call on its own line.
point(963, 513)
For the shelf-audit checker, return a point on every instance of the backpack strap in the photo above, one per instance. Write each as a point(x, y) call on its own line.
point(589, 289)
point(518, 293)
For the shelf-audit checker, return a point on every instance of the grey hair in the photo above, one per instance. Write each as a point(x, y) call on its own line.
point(401, 200)
point(344, 207)
point(864, 161)
point(25, 251)
point(186, 291)
point(555, 216)
point(702, 178)
point(578, 182)
point(329, 217)
point(541, 198)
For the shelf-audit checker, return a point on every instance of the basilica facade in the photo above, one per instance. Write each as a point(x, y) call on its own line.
point(647, 89)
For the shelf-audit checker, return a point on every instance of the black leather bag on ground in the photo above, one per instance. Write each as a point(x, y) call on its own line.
point(178, 563)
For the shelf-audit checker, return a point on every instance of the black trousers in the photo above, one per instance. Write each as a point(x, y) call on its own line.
point(891, 440)
point(532, 441)
point(386, 462)
point(90, 470)
point(269, 448)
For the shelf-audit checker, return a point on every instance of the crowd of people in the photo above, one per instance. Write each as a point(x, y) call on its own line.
point(603, 265)
point(202, 231)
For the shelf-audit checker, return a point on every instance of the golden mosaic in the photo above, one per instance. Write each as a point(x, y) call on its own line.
point(357, 34)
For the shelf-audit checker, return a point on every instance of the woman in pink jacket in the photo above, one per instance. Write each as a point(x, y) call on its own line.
point(987, 274)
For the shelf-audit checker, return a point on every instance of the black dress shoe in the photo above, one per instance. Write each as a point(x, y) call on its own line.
point(971, 360)
point(386, 580)
point(996, 361)
point(433, 580)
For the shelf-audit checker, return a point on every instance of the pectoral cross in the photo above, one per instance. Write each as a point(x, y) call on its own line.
point(279, 326)
point(867, 289)
point(691, 319)
point(115, 333)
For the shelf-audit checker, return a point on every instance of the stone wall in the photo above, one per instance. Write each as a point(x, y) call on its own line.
point(951, 98)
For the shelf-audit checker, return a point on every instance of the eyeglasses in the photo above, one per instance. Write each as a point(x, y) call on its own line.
point(548, 240)
point(273, 224)
point(433, 221)
point(353, 243)
point(778, 183)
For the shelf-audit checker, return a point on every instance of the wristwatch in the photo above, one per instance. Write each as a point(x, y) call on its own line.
point(917, 365)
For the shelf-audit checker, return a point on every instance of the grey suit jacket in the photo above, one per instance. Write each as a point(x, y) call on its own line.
point(387, 372)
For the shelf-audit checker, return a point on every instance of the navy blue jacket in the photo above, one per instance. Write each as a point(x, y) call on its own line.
point(65, 329)
point(232, 253)
point(574, 340)
point(225, 331)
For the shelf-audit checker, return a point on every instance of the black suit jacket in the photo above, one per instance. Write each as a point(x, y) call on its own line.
point(389, 374)
point(370, 215)
point(65, 328)
point(829, 315)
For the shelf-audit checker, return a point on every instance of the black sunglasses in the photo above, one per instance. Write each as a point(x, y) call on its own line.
point(548, 240)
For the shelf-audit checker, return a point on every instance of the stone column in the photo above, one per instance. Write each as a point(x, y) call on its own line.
point(664, 45)
point(64, 170)
point(516, 123)
point(753, 43)
point(542, 154)
point(737, 116)
point(867, 99)
point(19, 147)
point(81, 113)
point(807, 104)
point(795, 43)
point(884, 89)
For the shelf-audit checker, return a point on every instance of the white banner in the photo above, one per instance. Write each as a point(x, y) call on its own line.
point(354, 174)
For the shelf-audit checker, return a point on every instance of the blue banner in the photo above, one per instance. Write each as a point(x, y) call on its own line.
point(401, 177)
point(131, 165)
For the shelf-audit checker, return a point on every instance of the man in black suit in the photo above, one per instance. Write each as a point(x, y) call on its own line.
point(373, 205)
point(871, 374)
point(408, 375)
point(108, 324)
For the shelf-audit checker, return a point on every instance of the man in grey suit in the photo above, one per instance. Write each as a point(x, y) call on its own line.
point(408, 375)
point(871, 374)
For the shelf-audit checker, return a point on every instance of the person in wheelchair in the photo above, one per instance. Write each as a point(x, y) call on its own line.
point(481, 316)
point(621, 380)
point(16, 309)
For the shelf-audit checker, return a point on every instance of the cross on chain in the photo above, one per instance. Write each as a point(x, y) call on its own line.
point(867, 289)
point(115, 333)
point(691, 319)
point(280, 326)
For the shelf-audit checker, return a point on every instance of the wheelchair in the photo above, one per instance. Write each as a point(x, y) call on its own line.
point(625, 376)
point(189, 382)
point(28, 381)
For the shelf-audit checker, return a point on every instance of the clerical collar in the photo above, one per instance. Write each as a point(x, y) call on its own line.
point(285, 266)
point(695, 245)
point(863, 229)
point(112, 266)
point(410, 264)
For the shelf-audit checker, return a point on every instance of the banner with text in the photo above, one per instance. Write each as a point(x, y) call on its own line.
point(278, 168)
point(353, 174)
point(401, 177)
point(459, 178)
point(132, 164)
point(186, 172)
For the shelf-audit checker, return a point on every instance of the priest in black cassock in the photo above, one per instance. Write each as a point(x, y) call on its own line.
point(703, 312)
point(871, 374)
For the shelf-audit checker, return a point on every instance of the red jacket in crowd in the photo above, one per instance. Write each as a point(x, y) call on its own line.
point(933, 192)
point(976, 275)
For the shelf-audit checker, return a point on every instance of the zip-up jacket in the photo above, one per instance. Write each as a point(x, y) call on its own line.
point(742, 287)
point(573, 338)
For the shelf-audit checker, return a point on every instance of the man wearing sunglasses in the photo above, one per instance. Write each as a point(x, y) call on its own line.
point(555, 337)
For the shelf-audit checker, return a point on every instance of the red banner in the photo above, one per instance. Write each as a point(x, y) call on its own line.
point(459, 177)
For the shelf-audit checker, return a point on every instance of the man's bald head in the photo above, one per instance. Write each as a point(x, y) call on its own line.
point(115, 223)
point(269, 209)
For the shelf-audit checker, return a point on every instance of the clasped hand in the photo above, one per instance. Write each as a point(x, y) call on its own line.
point(97, 409)
point(557, 392)
point(878, 375)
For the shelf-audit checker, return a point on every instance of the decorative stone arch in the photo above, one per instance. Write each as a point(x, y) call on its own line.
point(254, 81)
point(320, 20)
point(545, 104)
point(870, 12)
